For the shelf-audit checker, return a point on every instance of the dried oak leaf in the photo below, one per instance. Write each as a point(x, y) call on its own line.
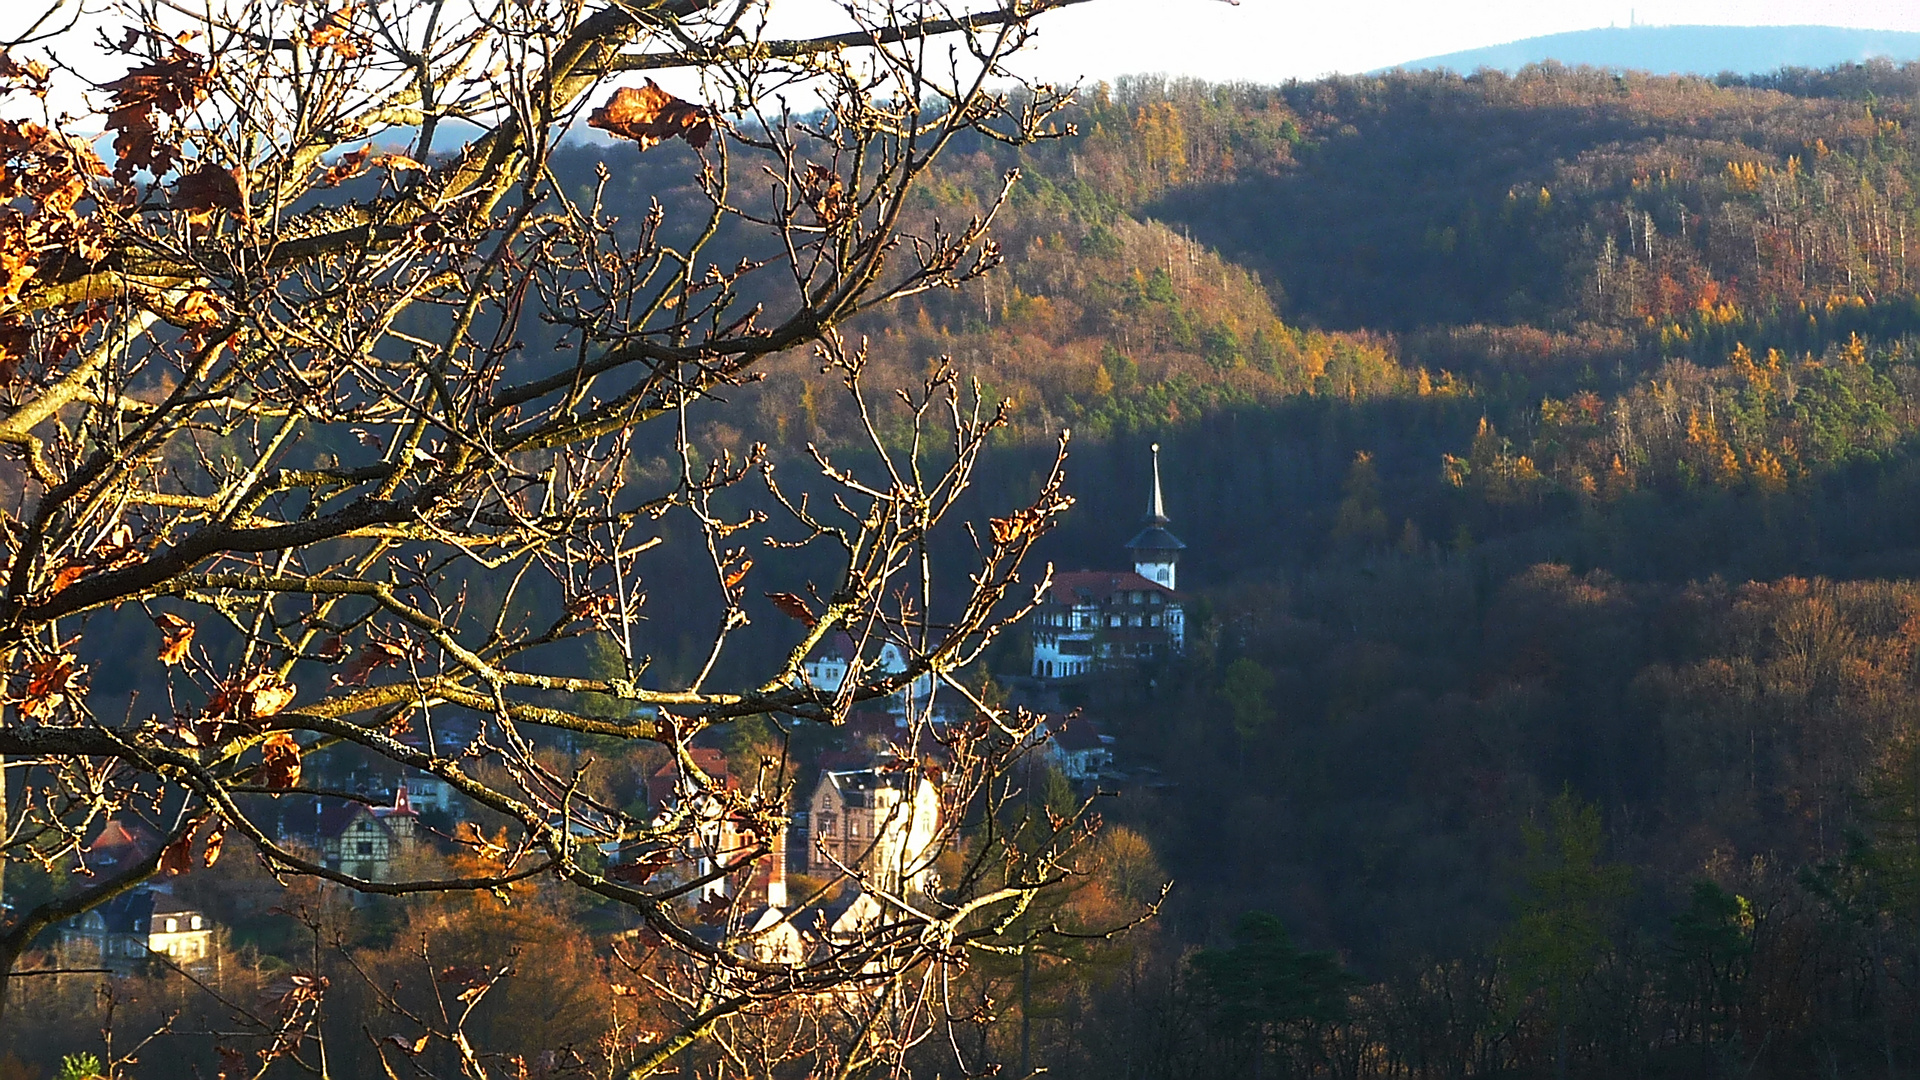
point(736, 574)
point(713, 910)
point(233, 1064)
point(332, 649)
point(279, 761)
point(825, 195)
point(208, 188)
point(177, 857)
point(347, 166)
point(1008, 530)
point(650, 116)
point(49, 682)
point(216, 836)
point(261, 696)
point(642, 868)
point(170, 86)
point(67, 576)
point(176, 635)
point(32, 74)
point(375, 656)
point(793, 606)
point(335, 33)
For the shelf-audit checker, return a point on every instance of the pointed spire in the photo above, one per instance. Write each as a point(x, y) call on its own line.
point(1157, 512)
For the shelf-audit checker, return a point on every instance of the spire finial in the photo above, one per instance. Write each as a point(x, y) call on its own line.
point(1158, 511)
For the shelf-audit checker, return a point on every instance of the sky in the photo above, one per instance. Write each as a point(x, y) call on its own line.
point(1273, 40)
point(1269, 41)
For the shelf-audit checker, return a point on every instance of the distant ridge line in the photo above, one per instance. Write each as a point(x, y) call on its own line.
point(1690, 50)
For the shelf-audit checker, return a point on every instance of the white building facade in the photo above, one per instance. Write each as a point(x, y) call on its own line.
point(1092, 619)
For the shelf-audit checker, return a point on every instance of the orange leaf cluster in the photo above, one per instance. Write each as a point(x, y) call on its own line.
point(177, 857)
point(354, 162)
point(650, 116)
point(116, 551)
point(49, 683)
point(48, 173)
point(171, 86)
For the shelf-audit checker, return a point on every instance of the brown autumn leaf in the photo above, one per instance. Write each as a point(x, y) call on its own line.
point(650, 116)
point(198, 309)
point(32, 74)
point(1008, 530)
point(216, 836)
point(399, 163)
point(67, 576)
point(372, 658)
point(347, 166)
point(208, 187)
point(713, 910)
point(176, 635)
point(233, 1064)
point(335, 33)
point(737, 574)
point(279, 761)
point(49, 682)
point(260, 696)
point(642, 868)
point(793, 606)
point(825, 195)
point(171, 86)
point(332, 649)
point(177, 857)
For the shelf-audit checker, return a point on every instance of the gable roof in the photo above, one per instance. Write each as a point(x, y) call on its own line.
point(121, 840)
point(337, 819)
point(664, 784)
point(1077, 733)
point(1094, 586)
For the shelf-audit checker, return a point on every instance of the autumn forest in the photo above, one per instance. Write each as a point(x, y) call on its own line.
point(1547, 449)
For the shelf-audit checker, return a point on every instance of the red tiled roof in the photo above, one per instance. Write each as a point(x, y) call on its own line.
point(665, 781)
point(1098, 584)
point(120, 842)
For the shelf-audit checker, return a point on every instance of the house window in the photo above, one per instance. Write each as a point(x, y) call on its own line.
point(173, 925)
point(364, 847)
point(1154, 599)
point(194, 922)
point(1113, 620)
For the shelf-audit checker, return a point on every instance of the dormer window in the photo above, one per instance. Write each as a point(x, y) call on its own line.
point(173, 925)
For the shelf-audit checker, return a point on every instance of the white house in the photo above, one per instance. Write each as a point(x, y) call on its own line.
point(1092, 619)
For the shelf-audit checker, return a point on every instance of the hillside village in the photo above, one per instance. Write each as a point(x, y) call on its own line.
point(860, 810)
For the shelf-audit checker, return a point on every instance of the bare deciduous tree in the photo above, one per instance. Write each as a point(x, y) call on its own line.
point(352, 427)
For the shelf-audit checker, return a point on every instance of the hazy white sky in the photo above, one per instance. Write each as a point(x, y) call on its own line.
point(1272, 40)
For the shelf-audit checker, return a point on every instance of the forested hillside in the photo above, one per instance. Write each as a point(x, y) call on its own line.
point(1545, 449)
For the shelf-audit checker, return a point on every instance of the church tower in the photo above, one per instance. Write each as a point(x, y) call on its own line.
point(1156, 552)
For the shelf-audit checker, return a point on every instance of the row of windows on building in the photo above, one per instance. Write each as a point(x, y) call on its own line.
point(1078, 621)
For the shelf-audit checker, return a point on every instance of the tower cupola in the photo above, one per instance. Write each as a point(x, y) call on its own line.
point(1156, 552)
